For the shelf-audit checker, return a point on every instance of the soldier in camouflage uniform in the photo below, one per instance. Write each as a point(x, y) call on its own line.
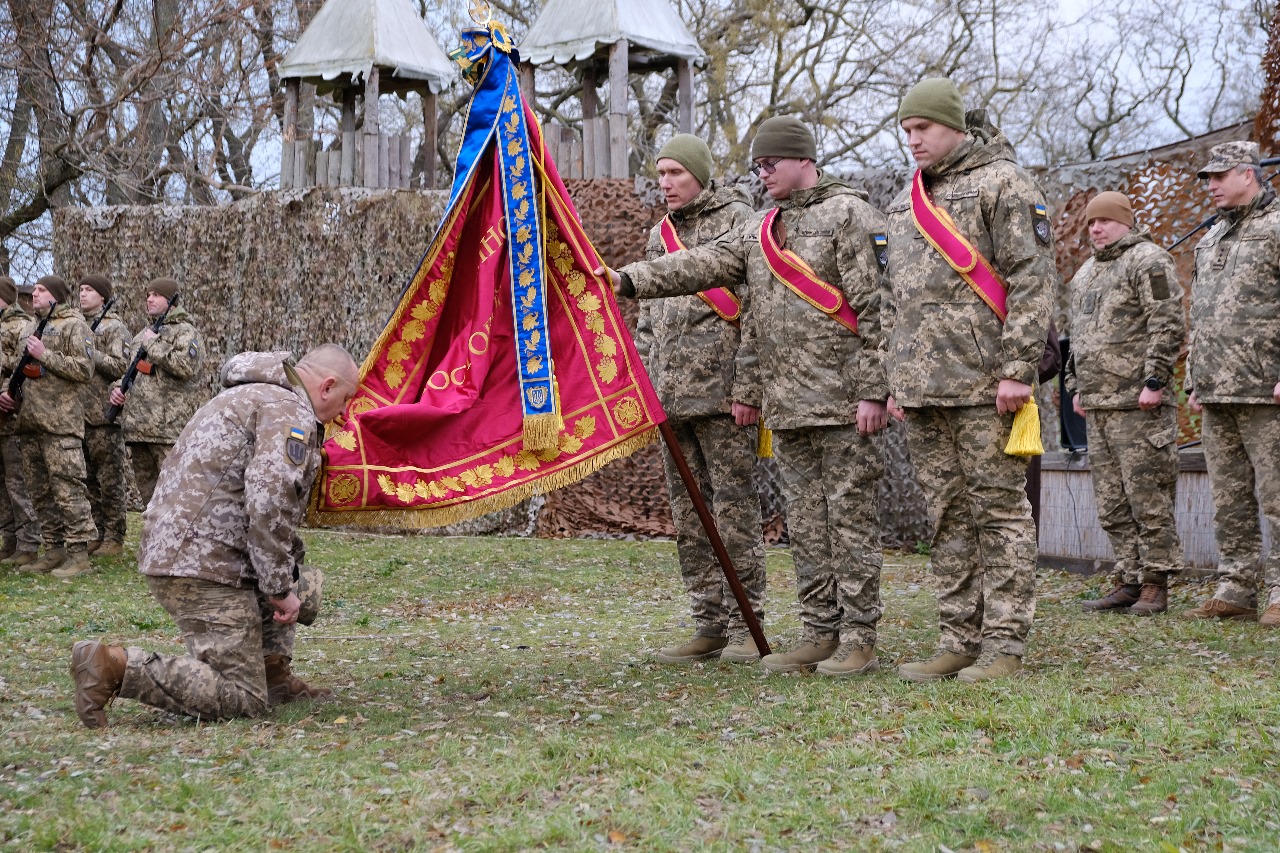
point(50, 421)
point(220, 548)
point(104, 452)
point(167, 390)
point(1126, 331)
point(1234, 371)
point(961, 374)
point(819, 385)
point(18, 518)
point(689, 349)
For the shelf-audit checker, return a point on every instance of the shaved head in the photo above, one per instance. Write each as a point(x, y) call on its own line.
point(331, 360)
point(330, 376)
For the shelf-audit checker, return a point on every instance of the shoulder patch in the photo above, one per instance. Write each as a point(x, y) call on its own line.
point(1159, 285)
point(880, 247)
point(1040, 223)
point(295, 446)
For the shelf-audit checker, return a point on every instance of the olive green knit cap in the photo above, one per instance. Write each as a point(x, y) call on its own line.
point(786, 137)
point(692, 153)
point(934, 98)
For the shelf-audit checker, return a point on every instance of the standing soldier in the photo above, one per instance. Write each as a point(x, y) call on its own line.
point(17, 515)
point(972, 284)
point(689, 343)
point(810, 361)
point(50, 421)
point(1126, 330)
point(167, 389)
point(1234, 369)
point(104, 453)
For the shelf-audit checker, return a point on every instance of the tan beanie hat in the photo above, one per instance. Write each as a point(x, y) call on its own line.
point(166, 287)
point(56, 285)
point(100, 283)
point(1109, 205)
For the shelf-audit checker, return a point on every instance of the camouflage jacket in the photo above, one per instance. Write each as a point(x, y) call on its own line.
point(1126, 323)
point(160, 404)
point(797, 364)
point(945, 346)
point(1235, 306)
point(689, 349)
point(235, 487)
point(110, 360)
point(12, 322)
point(51, 402)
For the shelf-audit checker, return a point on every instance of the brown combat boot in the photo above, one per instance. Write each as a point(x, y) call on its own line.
point(1216, 608)
point(741, 649)
point(23, 558)
point(850, 659)
point(1124, 595)
point(699, 648)
point(283, 686)
point(98, 671)
point(1153, 599)
point(51, 560)
point(1270, 617)
point(989, 666)
point(942, 665)
point(109, 548)
point(76, 563)
point(803, 658)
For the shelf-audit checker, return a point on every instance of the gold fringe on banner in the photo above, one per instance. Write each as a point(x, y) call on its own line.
point(464, 510)
point(1024, 438)
point(764, 441)
point(542, 432)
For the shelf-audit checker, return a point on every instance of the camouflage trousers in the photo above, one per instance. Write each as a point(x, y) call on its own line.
point(54, 468)
point(227, 632)
point(721, 457)
point(18, 519)
point(830, 478)
point(105, 462)
point(147, 458)
point(1242, 453)
point(1133, 456)
point(983, 552)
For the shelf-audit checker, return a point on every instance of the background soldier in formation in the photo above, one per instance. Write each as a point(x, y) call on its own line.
point(50, 421)
point(961, 372)
point(104, 452)
point(167, 389)
point(18, 518)
point(819, 384)
point(688, 345)
point(1126, 331)
point(219, 545)
point(1233, 376)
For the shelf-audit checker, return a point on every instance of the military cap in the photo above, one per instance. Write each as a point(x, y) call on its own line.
point(936, 99)
point(786, 137)
point(692, 153)
point(56, 285)
point(1109, 205)
point(1228, 155)
point(166, 287)
point(100, 283)
point(309, 589)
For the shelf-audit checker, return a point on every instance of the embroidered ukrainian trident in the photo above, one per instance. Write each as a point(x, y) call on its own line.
point(720, 299)
point(791, 270)
point(506, 370)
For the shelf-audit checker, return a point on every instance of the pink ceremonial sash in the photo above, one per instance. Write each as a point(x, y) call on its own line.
point(790, 269)
point(721, 300)
point(940, 230)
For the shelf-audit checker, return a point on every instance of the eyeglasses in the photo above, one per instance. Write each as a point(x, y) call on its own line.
point(766, 167)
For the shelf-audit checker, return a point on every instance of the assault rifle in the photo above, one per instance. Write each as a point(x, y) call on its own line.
point(27, 368)
point(139, 357)
point(105, 308)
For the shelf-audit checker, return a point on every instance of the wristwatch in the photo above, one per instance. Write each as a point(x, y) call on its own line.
point(1154, 384)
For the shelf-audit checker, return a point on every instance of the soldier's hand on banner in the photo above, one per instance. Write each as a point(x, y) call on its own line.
point(873, 416)
point(744, 415)
point(1011, 396)
point(621, 285)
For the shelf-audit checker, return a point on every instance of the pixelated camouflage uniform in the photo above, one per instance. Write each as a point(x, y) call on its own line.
point(947, 352)
point(1126, 326)
point(220, 536)
point(159, 404)
point(807, 373)
point(50, 421)
point(1233, 366)
point(104, 452)
point(689, 351)
point(18, 519)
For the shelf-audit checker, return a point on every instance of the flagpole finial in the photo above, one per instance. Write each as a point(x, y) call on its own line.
point(481, 12)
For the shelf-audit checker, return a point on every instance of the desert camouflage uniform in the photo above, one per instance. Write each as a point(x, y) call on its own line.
point(807, 373)
point(18, 518)
point(219, 537)
point(50, 421)
point(1234, 365)
point(159, 405)
point(947, 352)
point(1126, 326)
point(104, 453)
point(689, 350)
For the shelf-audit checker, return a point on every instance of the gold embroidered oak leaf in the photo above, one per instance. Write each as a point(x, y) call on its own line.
point(508, 104)
point(399, 351)
point(514, 121)
point(394, 374)
point(453, 484)
point(517, 168)
point(588, 302)
point(404, 492)
point(437, 492)
point(605, 345)
point(526, 278)
point(519, 190)
point(529, 322)
point(513, 148)
point(505, 467)
point(533, 365)
point(469, 477)
point(422, 489)
point(608, 369)
point(526, 253)
point(576, 285)
point(484, 474)
point(346, 439)
point(570, 443)
point(523, 210)
point(595, 322)
point(413, 331)
point(523, 233)
point(425, 311)
point(386, 485)
point(526, 461)
point(585, 427)
point(563, 265)
point(547, 455)
point(530, 295)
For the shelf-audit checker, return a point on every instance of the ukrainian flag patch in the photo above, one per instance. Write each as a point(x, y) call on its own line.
point(295, 446)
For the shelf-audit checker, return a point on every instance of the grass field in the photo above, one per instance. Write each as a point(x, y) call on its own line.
point(499, 694)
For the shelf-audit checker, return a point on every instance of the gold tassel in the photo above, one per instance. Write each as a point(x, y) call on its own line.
point(1024, 438)
point(764, 441)
point(542, 432)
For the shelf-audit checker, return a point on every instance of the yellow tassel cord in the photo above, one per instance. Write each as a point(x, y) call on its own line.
point(764, 441)
point(421, 518)
point(1024, 438)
